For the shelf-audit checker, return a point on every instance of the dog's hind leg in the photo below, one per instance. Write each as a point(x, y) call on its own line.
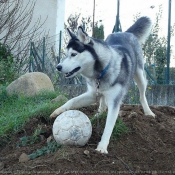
point(141, 81)
point(102, 106)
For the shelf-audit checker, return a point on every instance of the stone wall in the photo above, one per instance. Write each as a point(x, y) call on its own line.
point(161, 95)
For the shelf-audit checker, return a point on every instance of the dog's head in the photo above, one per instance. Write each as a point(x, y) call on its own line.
point(79, 55)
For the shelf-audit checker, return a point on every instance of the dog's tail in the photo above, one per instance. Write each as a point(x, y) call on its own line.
point(141, 29)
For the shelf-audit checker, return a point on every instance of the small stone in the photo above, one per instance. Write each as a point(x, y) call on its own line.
point(86, 152)
point(24, 158)
point(49, 139)
point(120, 113)
point(41, 137)
point(161, 127)
point(133, 115)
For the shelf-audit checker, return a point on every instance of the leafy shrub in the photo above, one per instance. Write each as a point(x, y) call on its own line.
point(7, 65)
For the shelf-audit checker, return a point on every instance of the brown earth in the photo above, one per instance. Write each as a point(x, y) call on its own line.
point(148, 148)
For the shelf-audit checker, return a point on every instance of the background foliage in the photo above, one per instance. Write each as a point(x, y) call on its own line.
point(7, 65)
point(155, 50)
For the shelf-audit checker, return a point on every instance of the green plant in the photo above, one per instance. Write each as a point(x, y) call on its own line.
point(7, 64)
point(119, 129)
point(50, 148)
point(98, 31)
point(30, 140)
point(160, 62)
point(27, 140)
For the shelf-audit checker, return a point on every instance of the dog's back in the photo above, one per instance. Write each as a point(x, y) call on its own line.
point(129, 44)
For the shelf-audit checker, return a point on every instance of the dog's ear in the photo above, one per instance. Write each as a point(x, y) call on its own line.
point(83, 36)
point(71, 34)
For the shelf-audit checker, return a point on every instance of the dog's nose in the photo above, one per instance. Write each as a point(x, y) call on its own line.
point(59, 67)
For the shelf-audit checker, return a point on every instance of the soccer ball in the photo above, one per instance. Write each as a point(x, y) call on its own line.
point(72, 127)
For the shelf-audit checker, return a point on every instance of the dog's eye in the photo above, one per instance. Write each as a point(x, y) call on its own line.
point(73, 54)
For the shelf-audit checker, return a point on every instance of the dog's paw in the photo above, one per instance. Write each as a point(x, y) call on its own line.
point(56, 113)
point(150, 113)
point(101, 149)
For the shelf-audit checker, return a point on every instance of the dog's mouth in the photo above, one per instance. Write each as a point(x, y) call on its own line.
point(68, 74)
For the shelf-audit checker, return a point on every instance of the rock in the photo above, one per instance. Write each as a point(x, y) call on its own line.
point(59, 98)
point(133, 115)
point(120, 113)
point(24, 158)
point(30, 84)
point(86, 152)
point(49, 139)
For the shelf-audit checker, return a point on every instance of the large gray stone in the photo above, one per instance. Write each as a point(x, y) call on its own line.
point(30, 84)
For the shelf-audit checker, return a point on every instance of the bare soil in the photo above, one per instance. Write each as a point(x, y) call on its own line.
point(148, 148)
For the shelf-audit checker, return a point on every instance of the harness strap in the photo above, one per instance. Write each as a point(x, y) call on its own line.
point(103, 72)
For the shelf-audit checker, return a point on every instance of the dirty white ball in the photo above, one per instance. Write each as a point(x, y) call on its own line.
point(72, 127)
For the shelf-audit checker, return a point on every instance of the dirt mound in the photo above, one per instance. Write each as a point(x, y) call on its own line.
point(148, 148)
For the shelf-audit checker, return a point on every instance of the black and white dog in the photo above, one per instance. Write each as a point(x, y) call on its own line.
point(108, 66)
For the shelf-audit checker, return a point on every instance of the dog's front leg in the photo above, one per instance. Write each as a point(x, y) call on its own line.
point(77, 102)
point(113, 110)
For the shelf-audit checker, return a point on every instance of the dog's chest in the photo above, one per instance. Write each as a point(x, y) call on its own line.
point(98, 85)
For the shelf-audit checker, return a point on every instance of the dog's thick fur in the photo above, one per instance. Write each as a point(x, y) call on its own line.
point(112, 64)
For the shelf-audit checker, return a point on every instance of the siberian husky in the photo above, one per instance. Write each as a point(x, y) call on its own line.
point(109, 67)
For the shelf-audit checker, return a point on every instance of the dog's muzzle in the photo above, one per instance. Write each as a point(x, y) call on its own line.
point(68, 74)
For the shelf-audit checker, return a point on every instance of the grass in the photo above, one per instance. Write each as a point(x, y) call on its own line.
point(16, 111)
point(119, 129)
